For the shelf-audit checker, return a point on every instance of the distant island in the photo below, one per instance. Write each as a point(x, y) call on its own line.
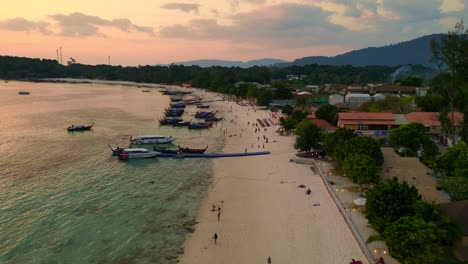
point(225, 63)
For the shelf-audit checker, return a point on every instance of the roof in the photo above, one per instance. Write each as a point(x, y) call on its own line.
point(303, 93)
point(366, 118)
point(367, 122)
point(395, 88)
point(425, 118)
point(311, 116)
point(323, 123)
point(458, 212)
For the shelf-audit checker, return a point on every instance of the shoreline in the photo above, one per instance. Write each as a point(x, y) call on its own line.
point(263, 211)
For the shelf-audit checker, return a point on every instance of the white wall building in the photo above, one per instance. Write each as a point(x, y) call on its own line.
point(355, 100)
point(336, 98)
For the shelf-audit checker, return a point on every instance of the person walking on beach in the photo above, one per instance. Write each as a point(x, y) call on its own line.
point(219, 215)
point(269, 260)
point(215, 237)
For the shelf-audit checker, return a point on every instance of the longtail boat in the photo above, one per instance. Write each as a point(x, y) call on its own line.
point(192, 150)
point(80, 127)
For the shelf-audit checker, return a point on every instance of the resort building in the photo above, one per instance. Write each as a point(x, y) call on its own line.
point(377, 124)
point(336, 88)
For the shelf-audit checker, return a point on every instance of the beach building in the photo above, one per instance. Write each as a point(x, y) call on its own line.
point(458, 212)
point(429, 119)
point(355, 100)
point(376, 124)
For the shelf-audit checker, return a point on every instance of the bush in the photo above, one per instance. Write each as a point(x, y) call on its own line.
point(456, 187)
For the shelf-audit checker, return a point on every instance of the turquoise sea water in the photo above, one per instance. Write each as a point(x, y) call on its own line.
point(64, 199)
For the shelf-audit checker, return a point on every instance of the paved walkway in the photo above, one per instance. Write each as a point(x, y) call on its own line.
point(415, 173)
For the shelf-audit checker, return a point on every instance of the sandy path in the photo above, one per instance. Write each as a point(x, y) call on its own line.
point(263, 212)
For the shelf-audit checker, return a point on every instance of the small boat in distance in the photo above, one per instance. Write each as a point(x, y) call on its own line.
point(166, 150)
point(23, 93)
point(151, 139)
point(137, 153)
point(79, 127)
point(192, 150)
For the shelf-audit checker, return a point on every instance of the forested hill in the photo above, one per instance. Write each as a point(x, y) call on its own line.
point(212, 77)
point(416, 51)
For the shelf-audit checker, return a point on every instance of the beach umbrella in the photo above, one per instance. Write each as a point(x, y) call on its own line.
point(360, 201)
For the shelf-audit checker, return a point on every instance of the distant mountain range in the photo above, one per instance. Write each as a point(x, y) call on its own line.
point(416, 51)
point(223, 63)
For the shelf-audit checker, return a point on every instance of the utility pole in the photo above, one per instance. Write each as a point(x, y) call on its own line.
point(58, 57)
point(108, 60)
point(61, 61)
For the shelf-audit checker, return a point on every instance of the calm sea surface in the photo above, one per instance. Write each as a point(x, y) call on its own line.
point(65, 199)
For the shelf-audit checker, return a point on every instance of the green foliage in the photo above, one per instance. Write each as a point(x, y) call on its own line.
point(391, 103)
point(293, 119)
point(454, 160)
point(409, 139)
point(327, 112)
point(431, 103)
point(308, 136)
point(450, 56)
point(264, 97)
point(334, 140)
point(359, 145)
point(287, 109)
point(361, 169)
point(431, 212)
point(411, 81)
point(388, 201)
point(456, 187)
point(412, 240)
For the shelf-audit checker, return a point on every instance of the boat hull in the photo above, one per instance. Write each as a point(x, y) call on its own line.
point(212, 155)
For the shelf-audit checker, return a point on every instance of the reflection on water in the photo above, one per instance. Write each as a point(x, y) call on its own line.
point(64, 199)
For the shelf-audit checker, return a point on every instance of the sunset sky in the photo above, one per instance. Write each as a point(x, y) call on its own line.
point(142, 32)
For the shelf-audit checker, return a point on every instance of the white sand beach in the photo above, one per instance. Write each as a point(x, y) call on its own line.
point(263, 211)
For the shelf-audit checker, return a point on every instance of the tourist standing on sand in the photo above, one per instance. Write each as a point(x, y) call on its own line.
point(215, 237)
point(219, 215)
point(269, 260)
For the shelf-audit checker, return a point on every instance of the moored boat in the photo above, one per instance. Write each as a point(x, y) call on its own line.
point(23, 93)
point(192, 150)
point(200, 125)
point(80, 127)
point(151, 139)
point(181, 123)
point(166, 150)
point(137, 153)
point(177, 105)
point(169, 121)
point(203, 114)
point(213, 119)
point(203, 106)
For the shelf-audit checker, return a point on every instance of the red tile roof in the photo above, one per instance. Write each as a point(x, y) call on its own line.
point(324, 124)
point(425, 118)
point(366, 118)
point(432, 118)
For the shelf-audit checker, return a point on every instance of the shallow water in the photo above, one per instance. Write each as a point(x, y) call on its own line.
point(65, 199)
